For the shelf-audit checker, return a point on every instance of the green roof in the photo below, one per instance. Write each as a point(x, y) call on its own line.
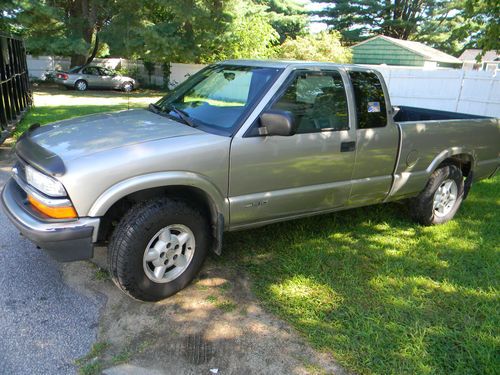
point(428, 53)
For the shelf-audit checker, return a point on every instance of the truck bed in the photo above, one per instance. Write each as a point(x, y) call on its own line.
point(406, 114)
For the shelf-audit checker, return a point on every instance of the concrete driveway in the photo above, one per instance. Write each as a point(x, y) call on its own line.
point(44, 324)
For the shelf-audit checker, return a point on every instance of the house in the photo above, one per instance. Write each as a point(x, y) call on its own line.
point(382, 49)
point(490, 60)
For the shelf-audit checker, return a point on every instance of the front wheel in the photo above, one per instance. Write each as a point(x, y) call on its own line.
point(158, 248)
point(441, 198)
point(81, 85)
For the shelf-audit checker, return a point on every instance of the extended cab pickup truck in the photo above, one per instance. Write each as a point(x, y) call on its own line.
point(238, 145)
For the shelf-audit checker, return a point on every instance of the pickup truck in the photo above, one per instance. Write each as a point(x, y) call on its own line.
point(238, 145)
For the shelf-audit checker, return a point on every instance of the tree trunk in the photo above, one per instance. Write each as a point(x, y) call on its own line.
point(83, 25)
point(78, 60)
point(95, 50)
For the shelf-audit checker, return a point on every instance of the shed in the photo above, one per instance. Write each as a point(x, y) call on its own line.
point(382, 49)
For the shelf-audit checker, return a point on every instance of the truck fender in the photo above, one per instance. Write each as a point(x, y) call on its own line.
point(450, 153)
point(219, 205)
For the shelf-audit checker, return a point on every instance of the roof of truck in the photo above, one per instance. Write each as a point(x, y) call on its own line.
point(282, 63)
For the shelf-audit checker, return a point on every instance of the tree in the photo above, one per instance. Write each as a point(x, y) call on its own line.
point(324, 46)
point(199, 31)
point(357, 19)
point(449, 25)
point(487, 14)
point(62, 27)
point(163, 31)
point(448, 28)
point(287, 17)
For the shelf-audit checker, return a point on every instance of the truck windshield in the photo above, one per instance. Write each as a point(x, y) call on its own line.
point(218, 97)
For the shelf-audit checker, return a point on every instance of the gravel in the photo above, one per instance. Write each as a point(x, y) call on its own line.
point(44, 324)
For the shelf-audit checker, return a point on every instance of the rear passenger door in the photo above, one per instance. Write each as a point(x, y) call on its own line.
point(377, 139)
point(92, 76)
point(272, 177)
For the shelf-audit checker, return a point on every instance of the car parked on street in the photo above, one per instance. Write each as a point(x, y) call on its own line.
point(238, 145)
point(82, 78)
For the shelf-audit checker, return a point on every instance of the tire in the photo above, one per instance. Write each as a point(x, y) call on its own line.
point(81, 85)
point(435, 204)
point(127, 86)
point(133, 240)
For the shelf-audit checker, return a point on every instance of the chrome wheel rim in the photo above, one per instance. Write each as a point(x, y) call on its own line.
point(169, 253)
point(445, 198)
point(81, 86)
point(127, 87)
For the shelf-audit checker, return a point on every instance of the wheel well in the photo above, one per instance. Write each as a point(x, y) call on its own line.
point(462, 161)
point(188, 193)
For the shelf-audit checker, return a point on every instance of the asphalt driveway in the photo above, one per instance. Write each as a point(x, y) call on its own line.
point(44, 324)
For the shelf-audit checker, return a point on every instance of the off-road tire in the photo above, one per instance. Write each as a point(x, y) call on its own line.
point(421, 207)
point(132, 235)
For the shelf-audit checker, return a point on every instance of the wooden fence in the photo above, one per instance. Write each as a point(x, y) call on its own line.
point(15, 91)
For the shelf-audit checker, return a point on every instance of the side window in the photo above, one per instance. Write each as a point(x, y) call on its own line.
point(370, 100)
point(318, 101)
point(104, 72)
point(91, 70)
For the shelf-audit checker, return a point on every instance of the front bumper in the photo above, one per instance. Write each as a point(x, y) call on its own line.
point(66, 241)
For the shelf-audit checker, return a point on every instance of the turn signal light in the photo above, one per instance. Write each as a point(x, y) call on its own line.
point(67, 212)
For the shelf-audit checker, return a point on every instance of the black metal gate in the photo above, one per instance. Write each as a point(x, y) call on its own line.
point(15, 91)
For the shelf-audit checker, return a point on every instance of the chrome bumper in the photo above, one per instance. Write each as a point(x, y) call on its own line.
point(66, 241)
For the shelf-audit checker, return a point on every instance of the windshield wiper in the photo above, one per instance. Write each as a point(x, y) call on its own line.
point(182, 115)
point(154, 108)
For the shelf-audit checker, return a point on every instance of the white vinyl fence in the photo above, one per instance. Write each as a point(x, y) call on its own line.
point(474, 92)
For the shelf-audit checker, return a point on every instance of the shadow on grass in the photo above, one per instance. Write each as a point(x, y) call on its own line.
point(381, 293)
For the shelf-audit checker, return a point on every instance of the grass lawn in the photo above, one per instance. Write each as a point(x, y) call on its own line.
point(381, 294)
point(384, 295)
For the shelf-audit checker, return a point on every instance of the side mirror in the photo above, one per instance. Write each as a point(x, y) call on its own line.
point(277, 123)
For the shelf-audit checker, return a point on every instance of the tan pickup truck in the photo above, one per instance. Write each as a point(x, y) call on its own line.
point(238, 145)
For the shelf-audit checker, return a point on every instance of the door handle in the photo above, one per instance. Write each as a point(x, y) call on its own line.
point(347, 146)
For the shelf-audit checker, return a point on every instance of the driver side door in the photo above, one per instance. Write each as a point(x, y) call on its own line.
point(276, 177)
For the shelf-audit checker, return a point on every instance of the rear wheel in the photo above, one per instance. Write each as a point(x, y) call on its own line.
point(158, 248)
point(441, 198)
point(81, 85)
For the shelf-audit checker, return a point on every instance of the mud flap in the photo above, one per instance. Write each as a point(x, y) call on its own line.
point(468, 184)
point(218, 233)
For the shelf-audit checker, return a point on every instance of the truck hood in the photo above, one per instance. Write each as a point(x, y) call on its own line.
point(82, 136)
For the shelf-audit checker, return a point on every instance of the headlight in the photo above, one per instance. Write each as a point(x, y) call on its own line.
point(44, 183)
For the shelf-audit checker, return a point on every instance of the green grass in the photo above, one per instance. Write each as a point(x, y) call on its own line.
point(92, 364)
point(382, 294)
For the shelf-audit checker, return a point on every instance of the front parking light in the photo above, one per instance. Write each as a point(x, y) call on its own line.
point(55, 212)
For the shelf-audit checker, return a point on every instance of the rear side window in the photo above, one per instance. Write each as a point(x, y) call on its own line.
point(370, 100)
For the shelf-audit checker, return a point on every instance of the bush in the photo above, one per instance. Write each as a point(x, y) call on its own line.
point(324, 46)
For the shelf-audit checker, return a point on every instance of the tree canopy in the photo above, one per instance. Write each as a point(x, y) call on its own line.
point(154, 30)
point(450, 25)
